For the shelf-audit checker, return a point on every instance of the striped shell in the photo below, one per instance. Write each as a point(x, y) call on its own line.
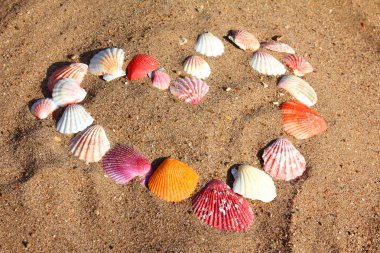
point(196, 66)
point(253, 183)
point(90, 145)
point(298, 65)
point(68, 91)
point(299, 89)
point(283, 161)
point(74, 119)
point(140, 66)
point(173, 181)
point(76, 71)
point(42, 108)
point(278, 47)
point(191, 90)
point(108, 63)
point(266, 64)
point(219, 207)
point(301, 121)
point(244, 40)
point(160, 79)
point(209, 45)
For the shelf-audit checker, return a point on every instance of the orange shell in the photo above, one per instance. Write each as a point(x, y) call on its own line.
point(173, 181)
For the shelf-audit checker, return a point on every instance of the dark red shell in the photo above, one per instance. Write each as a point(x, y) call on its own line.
point(140, 66)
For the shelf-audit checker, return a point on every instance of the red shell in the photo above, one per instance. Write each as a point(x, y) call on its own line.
point(219, 207)
point(140, 66)
point(301, 121)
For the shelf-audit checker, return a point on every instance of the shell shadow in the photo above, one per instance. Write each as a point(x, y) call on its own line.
point(154, 166)
point(229, 177)
point(31, 102)
point(50, 70)
point(225, 37)
point(260, 153)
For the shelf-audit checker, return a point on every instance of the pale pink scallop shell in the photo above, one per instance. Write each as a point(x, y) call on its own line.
point(244, 40)
point(298, 65)
point(196, 66)
point(299, 89)
point(108, 63)
point(191, 90)
point(266, 64)
point(42, 108)
point(76, 71)
point(278, 47)
point(160, 79)
point(68, 91)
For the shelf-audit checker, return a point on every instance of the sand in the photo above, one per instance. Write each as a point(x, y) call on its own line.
point(52, 202)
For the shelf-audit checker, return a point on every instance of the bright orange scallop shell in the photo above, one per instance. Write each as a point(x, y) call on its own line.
point(173, 181)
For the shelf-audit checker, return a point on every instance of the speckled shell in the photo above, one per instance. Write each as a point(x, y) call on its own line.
point(108, 63)
point(298, 65)
point(244, 40)
point(160, 79)
point(74, 119)
point(196, 66)
point(209, 45)
point(68, 91)
point(191, 90)
point(140, 66)
point(266, 64)
point(76, 71)
point(278, 47)
point(42, 108)
point(299, 89)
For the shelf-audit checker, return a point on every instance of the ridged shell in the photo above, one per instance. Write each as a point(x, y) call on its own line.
point(219, 207)
point(108, 63)
point(298, 65)
point(160, 79)
point(91, 144)
point(42, 108)
point(301, 121)
point(76, 71)
point(123, 163)
point(196, 66)
point(68, 91)
point(283, 161)
point(299, 89)
point(266, 64)
point(209, 45)
point(244, 40)
point(140, 66)
point(278, 47)
point(191, 90)
point(74, 119)
point(253, 183)
point(173, 181)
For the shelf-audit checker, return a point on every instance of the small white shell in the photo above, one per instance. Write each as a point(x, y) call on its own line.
point(191, 90)
point(266, 64)
point(209, 45)
point(68, 91)
point(108, 63)
point(74, 119)
point(196, 66)
point(299, 89)
point(278, 47)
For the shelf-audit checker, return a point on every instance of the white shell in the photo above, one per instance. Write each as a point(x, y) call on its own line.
point(196, 66)
point(209, 45)
point(266, 64)
point(278, 47)
point(74, 119)
point(299, 89)
point(68, 91)
point(253, 183)
point(108, 63)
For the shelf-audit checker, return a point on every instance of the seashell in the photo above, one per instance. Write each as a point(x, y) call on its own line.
point(76, 71)
point(196, 66)
point(68, 91)
point(253, 183)
point(42, 108)
point(244, 40)
point(266, 64)
point(91, 144)
point(123, 163)
point(283, 161)
point(298, 65)
point(209, 45)
point(191, 90)
point(278, 47)
point(301, 121)
point(74, 119)
point(299, 89)
point(108, 63)
point(140, 66)
point(219, 207)
point(160, 79)
point(173, 180)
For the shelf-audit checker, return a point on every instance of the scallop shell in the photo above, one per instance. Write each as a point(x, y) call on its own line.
point(209, 45)
point(191, 90)
point(266, 64)
point(299, 89)
point(90, 145)
point(140, 66)
point(173, 181)
point(123, 163)
point(244, 40)
point(283, 161)
point(298, 65)
point(68, 91)
point(42, 108)
point(219, 207)
point(74, 119)
point(76, 71)
point(160, 79)
point(196, 66)
point(253, 183)
point(278, 47)
point(301, 121)
point(108, 63)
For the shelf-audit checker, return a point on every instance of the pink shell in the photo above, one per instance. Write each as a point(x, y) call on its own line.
point(42, 108)
point(123, 163)
point(219, 207)
point(160, 79)
point(191, 90)
point(278, 47)
point(244, 40)
point(283, 161)
point(298, 65)
point(76, 71)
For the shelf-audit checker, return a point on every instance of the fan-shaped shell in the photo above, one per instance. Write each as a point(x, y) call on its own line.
point(68, 91)
point(108, 63)
point(209, 45)
point(219, 207)
point(173, 180)
point(91, 144)
point(191, 90)
point(42, 108)
point(278, 47)
point(160, 79)
point(123, 163)
point(196, 66)
point(298, 65)
point(301, 121)
point(299, 89)
point(74, 119)
point(266, 64)
point(140, 66)
point(76, 71)
point(253, 183)
point(283, 161)
point(244, 40)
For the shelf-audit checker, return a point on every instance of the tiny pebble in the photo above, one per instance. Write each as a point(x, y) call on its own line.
point(182, 40)
point(264, 85)
point(276, 103)
point(228, 89)
point(282, 94)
